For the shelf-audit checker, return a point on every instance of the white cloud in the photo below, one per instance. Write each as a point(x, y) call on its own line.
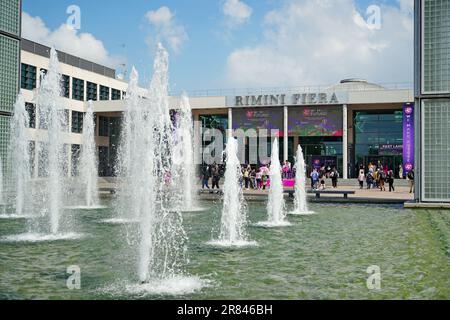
point(309, 42)
point(166, 28)
point(237, 12)
point(83, 45)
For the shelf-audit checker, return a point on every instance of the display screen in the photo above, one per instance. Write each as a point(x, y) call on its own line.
point(258, 118)
point(315, 121)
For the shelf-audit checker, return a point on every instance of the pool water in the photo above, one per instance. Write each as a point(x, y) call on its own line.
point(322, 256)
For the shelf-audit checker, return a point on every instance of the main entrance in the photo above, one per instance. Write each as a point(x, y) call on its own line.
point(392, 162)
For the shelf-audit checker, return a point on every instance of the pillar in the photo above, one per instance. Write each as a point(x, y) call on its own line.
point(230, 122)
point(345, 142)
point(286, 134)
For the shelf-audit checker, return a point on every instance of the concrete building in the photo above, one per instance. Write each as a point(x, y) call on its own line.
point(432, 95)
point(82, 81)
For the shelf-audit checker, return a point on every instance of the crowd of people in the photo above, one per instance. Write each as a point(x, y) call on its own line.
point(257, 177)
point(377, 176)
point(318, 177)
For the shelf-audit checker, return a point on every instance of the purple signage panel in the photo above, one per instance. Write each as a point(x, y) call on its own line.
point(408, 137)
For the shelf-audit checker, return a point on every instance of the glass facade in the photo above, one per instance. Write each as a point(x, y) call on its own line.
point(219, 122)
point(10, 16)
point(9, 71)
point(378, 137)
point(433, 100)
point(10, 33)
point(436, 149)
point(436, 46)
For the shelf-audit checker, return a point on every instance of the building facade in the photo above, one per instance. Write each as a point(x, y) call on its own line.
point(10, 34)
point(432, 95)
point(347, 125)
point(82, 81)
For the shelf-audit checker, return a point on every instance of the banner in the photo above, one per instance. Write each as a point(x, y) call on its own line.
point(259, 118)
point(315, 121)
point(408, 138)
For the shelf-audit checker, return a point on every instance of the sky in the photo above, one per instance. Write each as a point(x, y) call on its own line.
point(223, 44)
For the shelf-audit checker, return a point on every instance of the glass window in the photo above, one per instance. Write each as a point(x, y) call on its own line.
point(115, 94)
point(77, 122)
point(77, 89)
point(31, 109)
point(91, 91)
point(103, 126)
point(28, 77)
point(75, 152)
point(104, 93)
point(65, 84)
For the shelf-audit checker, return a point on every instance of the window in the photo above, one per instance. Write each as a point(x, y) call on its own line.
point(65, 85)
point(91, 92)
point(77, 122)
point(104, 93)
point(103, 127)
point(42, 74)
point(115, 94)
point(43, 160)
point(76, 148)
point(77, 89)
point(31, 109)
point(28, 77)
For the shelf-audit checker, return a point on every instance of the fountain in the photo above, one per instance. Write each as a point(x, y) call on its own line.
point(234, 212)
point(145, 169)
point(49, 223)
point(184, 166)
point(89, 162)
point(276, 206)
point(300, 199)
point(20, 157)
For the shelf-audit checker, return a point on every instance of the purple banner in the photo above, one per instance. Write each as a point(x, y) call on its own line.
point(408, 137)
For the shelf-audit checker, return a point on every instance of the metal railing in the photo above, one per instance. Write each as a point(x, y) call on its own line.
point(296, 89)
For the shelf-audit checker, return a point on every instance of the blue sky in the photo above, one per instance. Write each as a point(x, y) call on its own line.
point(223, 49)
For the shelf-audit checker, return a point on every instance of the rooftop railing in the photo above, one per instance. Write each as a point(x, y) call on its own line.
point(297, 89)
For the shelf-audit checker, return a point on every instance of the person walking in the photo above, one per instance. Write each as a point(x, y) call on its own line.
point(382, 180)
point(334, 175)
point(205, 176)
point(390, 179)
point(247, 178)
point(410, 177)
point(215, 177)
point(369, 180)
point(361, 178)
point(400, 172)
point(259, 180)
point(314, 179)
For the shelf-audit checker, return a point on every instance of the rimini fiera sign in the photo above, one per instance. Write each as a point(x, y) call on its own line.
point(299, 99)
